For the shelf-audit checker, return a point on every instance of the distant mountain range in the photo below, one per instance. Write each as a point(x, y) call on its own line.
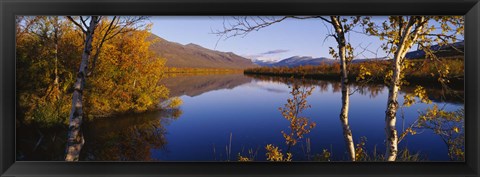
point(296, 61)
point(451, 50)
point(195, 56)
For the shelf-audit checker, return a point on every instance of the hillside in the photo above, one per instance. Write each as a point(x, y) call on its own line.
point(195, 56)
point(451, 50)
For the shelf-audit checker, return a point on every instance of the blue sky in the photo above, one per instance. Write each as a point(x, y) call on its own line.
point(291, 37)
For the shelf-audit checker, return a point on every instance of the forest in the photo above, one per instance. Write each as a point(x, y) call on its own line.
point(74, 70)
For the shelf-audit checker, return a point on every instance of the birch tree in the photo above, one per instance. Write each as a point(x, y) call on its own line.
point(88, 27)
point(400, 34)
point(341, 28)
point(56, 24)
point(75, 139)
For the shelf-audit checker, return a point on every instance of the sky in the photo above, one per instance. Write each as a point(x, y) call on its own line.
point(291, 37)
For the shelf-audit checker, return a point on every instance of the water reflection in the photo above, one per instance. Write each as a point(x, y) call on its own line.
point(371, 90)
point(216, 106)
point(36, 144)
point(194, 85)
point(128, 138)
point(121, 138)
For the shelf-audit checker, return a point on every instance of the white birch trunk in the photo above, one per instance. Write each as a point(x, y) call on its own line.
point(75, 139)
point(391, 112)
point(392, 103)
point(347, 132)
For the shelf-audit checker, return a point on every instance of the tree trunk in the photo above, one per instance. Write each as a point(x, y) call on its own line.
point(391, 112)
point(75, 139)
point(392, 104)
point(55, 82)
point(347, 132)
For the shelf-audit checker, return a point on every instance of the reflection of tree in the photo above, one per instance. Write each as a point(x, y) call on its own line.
point(129, 138)
point(337, 87)
point(440, 95)
point(323, 86)
point(40, 143)
point(370, 89)
point(134, 143)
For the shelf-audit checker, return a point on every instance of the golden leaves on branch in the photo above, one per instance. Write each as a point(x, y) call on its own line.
point(449, 125)
point(127, 76)
point(299, 126)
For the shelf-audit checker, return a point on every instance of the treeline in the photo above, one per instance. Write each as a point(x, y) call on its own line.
point(419, 70)
point(48, 51)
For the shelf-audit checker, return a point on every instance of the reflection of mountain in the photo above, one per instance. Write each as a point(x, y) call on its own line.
point(197, 84)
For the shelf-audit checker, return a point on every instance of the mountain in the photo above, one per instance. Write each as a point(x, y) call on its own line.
point(296, 61)
point(195, 56)
point(303, 61)
point(264, 63)
point(306, 60)
point(450, 50)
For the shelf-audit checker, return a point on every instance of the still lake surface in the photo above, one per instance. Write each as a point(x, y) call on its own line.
point(227, 114)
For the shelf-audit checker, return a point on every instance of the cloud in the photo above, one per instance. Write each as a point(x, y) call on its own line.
point(274, 52)
point(252, 56)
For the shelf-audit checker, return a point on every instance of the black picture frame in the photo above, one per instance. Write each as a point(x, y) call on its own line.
point(9, 8)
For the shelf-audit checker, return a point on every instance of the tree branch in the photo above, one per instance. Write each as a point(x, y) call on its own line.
point(76, 24)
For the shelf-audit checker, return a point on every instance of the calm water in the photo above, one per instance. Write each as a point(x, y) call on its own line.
point(217, 107)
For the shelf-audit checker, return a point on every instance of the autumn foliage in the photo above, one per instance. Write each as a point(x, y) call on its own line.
point(125, 79)
point(299, 125)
